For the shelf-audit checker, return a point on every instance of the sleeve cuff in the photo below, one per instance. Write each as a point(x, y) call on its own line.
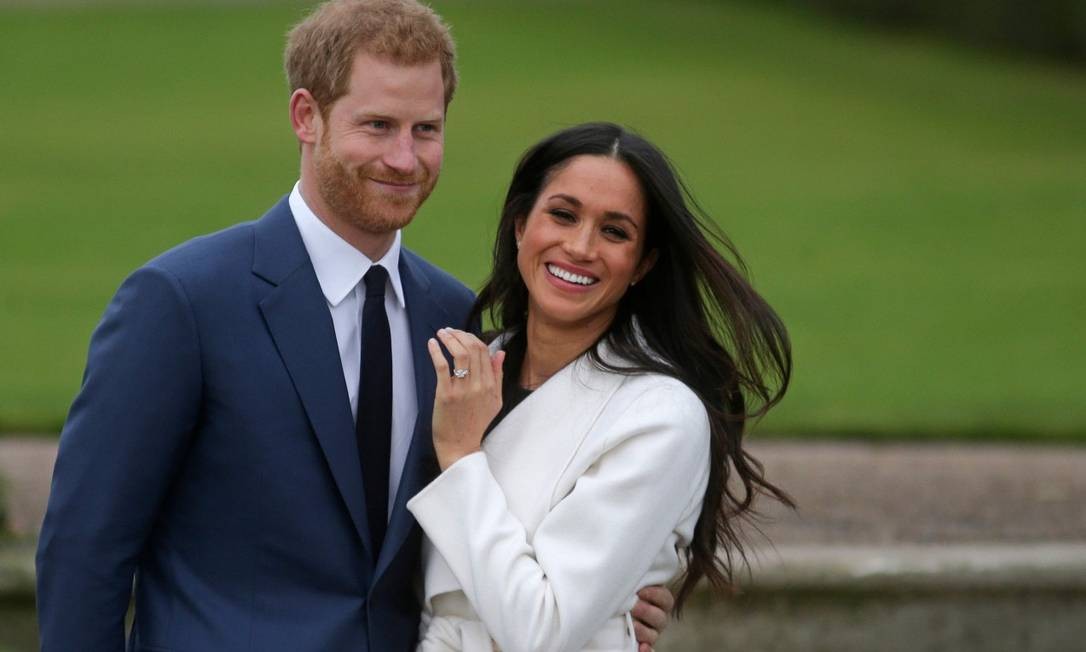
point(448, 492)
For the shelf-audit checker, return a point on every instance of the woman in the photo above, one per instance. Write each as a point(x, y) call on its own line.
point(631, 354)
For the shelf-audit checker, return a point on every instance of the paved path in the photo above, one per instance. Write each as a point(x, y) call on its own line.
point(849, 493)
point(887, 494)
point(26, 468)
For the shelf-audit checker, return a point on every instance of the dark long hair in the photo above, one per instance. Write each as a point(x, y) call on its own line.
point(702, 322)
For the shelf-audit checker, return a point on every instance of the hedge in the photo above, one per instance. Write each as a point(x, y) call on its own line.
point(1054, 28)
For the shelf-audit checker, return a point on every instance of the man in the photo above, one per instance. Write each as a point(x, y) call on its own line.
point(256, 407)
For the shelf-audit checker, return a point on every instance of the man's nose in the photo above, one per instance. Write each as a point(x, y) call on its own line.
point(400, 155)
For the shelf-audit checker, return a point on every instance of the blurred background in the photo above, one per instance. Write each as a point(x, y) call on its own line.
point(906, 180)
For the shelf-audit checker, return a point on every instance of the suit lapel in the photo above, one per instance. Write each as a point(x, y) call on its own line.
point(297, 316)
point(424, 317)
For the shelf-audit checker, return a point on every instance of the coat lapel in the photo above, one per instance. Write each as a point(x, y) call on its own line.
point(297, 316)
point(424, 317)
point(534, 446)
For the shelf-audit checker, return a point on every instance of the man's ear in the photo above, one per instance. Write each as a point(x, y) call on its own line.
point(646, 264)
point(305, 116)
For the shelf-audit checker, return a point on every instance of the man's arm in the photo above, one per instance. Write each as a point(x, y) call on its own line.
point(124, 436)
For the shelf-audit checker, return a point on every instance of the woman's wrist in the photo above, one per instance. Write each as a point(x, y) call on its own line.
point(448, 457)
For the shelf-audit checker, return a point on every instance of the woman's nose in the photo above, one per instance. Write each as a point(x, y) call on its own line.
point(580, 243)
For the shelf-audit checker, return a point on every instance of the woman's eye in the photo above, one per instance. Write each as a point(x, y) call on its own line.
point(616, 232)
point(562, 215)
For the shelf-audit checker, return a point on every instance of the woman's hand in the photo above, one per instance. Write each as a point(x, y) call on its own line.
point(465, 403)
point(654, 603)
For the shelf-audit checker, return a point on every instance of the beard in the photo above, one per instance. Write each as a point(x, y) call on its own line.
point(354, 198)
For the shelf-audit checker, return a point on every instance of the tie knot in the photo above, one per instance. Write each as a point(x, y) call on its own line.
point(375, 282)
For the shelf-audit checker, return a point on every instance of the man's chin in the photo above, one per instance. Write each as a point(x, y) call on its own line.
point(386, 218)
point(394, 191)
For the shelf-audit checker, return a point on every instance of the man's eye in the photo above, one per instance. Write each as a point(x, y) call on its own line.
point(429, 129)
point(378, 124)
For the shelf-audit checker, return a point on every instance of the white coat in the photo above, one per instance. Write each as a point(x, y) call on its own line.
point(583, 494)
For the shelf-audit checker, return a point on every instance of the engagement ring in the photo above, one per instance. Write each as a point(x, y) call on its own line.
point(460, 373)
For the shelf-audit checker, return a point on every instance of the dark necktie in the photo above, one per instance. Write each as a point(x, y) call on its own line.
point(373, 426)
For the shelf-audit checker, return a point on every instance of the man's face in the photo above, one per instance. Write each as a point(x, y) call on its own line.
point(380, 148)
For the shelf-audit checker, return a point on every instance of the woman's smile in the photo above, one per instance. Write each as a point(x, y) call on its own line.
point(570, 278)
point(582, 243)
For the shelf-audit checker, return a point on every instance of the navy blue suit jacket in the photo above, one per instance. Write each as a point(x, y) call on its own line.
point(211, 455)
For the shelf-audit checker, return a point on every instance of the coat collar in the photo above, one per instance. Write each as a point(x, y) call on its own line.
point(339, 266)
point(583, 383)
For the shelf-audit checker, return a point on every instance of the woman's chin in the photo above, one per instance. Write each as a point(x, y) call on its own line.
point(569, 315)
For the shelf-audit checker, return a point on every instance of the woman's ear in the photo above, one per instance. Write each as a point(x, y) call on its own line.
point(645, 266)
point(518, 229)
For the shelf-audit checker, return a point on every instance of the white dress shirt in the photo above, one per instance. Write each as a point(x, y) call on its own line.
point(340, 268)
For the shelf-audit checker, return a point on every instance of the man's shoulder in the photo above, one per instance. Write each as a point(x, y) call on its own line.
point(213, 252)
point(229, 250)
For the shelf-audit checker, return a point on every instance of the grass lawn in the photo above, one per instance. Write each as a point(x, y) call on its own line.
point(916, 211)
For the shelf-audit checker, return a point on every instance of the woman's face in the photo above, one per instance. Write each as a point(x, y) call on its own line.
point(581, 245)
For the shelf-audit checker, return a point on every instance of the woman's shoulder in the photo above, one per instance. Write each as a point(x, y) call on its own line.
point(648, 384)
point(658, 419)
point(663, 392)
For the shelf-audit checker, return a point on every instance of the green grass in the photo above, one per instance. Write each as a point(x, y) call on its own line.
point(916, 211)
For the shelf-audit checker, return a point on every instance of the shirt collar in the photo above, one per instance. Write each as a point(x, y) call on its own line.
point(338, 265)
